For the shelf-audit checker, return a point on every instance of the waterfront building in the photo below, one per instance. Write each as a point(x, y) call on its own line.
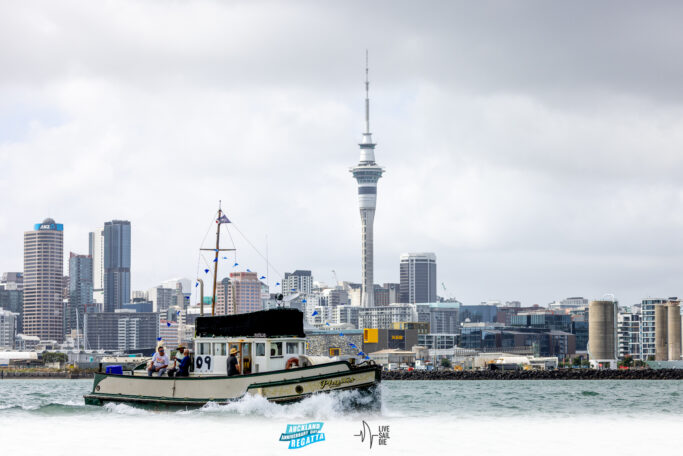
point(367, 173)
point(418, 277)
point(437, 341)
point(96, 252)
point(442, 317)
point(8, 328)
point(628, 334)
point(572, 303)
point(376, 339)
point(602, 334)
point(486, 313)
point(23, 342)
point(345, 315)
point(12, 300)
point(543, 319)
point(121, 330)
point(43, 281)
point(384, 317)
point(80, 291)
point(117, 245)
point(647, 327)
point(299, 281)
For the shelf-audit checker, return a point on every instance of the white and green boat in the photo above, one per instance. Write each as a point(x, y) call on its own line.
point(271, 351)
point(271, 346)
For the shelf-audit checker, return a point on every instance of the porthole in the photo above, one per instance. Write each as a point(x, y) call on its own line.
point(299, 389)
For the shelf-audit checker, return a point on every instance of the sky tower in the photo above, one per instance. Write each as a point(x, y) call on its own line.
point(367, 173)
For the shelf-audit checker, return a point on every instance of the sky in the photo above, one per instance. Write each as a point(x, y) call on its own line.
point(536, 147)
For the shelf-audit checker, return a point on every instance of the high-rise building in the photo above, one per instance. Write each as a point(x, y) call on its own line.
point(628, 333)
point(298, 281)
point(80, 291)
point(116, 264)
point(246, 292)
point(647, 327)
point(43, 280)
point(367, 173)
point(8, 328)
point(96, 252)
point(13, 301)
point(418, 277)
point(224, 302)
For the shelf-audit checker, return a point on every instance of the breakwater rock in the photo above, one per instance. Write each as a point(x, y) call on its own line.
point(560, 374)
point(9, 374)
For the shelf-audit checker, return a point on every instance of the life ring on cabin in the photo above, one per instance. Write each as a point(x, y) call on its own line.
point(291, 361)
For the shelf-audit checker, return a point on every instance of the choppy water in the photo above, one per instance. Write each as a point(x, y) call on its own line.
point(486, 417)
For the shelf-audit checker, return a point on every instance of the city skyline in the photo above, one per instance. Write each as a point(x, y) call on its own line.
point(531, 177)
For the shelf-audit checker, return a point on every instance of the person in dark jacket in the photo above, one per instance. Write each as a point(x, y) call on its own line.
point(184, 365)
point(233, 363)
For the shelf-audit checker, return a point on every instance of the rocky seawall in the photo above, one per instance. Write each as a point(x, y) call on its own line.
point(9, 374)
point(561, 374)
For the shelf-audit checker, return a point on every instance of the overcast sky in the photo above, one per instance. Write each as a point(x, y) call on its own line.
point(535, 147)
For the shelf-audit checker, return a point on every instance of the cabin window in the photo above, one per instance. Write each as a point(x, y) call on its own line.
point(334, 351)
point(204, 348)
point(303, 349)
point(292, 348)
point(260, 349)
point(218, 349)
point(275, 349)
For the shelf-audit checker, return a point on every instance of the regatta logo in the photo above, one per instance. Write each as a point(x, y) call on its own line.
point(335, 383)
point(301, 435)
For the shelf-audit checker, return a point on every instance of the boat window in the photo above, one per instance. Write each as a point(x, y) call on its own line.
point(204, 348)
point(292, 347)
point(260, 349)
point(275, 349)
point(219, 349)
point(303, 349)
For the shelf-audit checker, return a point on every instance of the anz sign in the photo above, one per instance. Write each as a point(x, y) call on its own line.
point(48, 227)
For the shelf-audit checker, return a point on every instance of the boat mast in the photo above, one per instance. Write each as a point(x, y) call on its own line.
point(215, 261)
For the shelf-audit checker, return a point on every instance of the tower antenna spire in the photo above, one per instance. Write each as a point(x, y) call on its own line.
point(367, 95)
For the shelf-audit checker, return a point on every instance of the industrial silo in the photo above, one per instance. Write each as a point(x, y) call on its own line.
point(661, 345)
point(602, 332)
point(674, 330)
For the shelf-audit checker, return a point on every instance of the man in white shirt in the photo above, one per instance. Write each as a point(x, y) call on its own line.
point(159, 363)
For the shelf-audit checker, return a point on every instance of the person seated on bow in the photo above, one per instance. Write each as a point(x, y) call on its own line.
point(159, 363)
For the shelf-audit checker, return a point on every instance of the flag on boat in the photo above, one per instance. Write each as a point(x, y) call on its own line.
point(223, 219)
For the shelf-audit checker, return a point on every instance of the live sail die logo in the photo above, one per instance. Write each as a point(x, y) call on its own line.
point(301, 435)
point(366, 434)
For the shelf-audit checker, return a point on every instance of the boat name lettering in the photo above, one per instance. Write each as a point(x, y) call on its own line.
point(334, 383)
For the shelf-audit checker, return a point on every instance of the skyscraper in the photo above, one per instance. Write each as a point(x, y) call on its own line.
point(367, 173)
point(116, 264)
point(96, 252)
point(418, 277)
point(80, 290)
point(43, 280)
point(246, 292)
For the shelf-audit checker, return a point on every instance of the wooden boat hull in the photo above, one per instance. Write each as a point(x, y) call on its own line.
point(278, 386)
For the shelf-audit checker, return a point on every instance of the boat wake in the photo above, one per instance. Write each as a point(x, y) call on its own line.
point(319, 406)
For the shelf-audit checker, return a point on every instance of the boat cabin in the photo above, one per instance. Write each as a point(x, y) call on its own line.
point(265, 341)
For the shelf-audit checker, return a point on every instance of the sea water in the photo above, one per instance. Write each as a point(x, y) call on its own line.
point(49, 417)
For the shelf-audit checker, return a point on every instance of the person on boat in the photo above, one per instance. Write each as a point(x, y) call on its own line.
point(184, 365)
point(233, 363)
point(159, 363)
point(177, 359)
